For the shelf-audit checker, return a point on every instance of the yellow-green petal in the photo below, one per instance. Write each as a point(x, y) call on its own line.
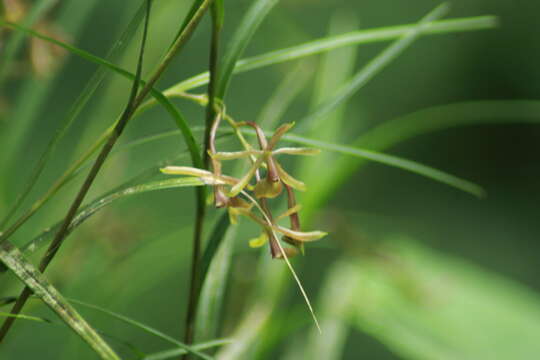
point(289, 180)
point(301, 235)
point(258, 241)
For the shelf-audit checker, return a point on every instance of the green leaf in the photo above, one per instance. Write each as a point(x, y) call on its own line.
point(334, 42)
point(372, 68)
point(335, 68)
point(75, 110)
point(213, 245)
point(33, 93)
point(284, 95)
point(426, 305)
point(244, 32)
point(426, 121)
point(171, 109)
point(215, 280)
point(167, 354)
point(362, 153)
point(143, 177)
point(258, 315)
point(333, 312)
point(394, 161)
point(192, 11)
point(24, 317)
point(98, 204)
point(15, 261)
point(336, 299)
point(143, 327)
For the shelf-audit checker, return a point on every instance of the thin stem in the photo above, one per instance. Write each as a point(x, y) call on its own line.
point(135, 100)
point(211, 117)
point(61, 234)
point(66, 176)
point(175, 48)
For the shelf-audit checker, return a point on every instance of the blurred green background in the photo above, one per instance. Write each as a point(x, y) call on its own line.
point(395, 277)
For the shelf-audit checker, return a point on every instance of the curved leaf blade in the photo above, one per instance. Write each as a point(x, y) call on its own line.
point(430, 120)
point(333, 42)
point(393, 161)
point(98, 204)
point(167, 354)
point(244, 32)
point(14, 260)
point(372, 68)
point(143, 327)
point(75, 110)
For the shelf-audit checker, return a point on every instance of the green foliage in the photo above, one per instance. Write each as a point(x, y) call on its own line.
point(417, 303)
point(426, 305)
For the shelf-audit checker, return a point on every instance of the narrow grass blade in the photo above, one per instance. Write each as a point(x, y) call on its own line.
point(77, 107)
point(147, 140)
point(194, 7)
point(144, 177)
point(75, 204)
point(375, 156)
point(15, 41)
point(214, 242)
point(25, 317)
point(168, 354)
point(179, 120)
point(394, 161)
point(286, 92)
point(333, 311)
point(427, 121)
point(399, 304)
point(30, 99)
point(244, 32)
point(259, 313)
point(14, 260)
point(215, 283)
point(348, 39)
point(335, 69)
point(390, 160)
point(143, 327)
point(169, 107)
point(98, 204)
point(362, 77)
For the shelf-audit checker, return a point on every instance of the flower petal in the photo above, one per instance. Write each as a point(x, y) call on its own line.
point(295, 209)
point(300, 235)
point(233, 215)
point(205, 175)
point(296, 151)
point(289, 180)
point(268, 189)
point(278, 134)
point(233, 155)
point(258, 241)
point(244, 181)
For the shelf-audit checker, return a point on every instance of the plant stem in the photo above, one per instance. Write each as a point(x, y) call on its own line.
point(195, 281)
point(56, 186)
point(135, 100)
point(61, 234)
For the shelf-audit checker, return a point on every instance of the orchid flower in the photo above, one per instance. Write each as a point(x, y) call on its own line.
point(231, 192)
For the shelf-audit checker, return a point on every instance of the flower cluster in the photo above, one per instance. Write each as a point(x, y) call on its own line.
point(241, 195)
